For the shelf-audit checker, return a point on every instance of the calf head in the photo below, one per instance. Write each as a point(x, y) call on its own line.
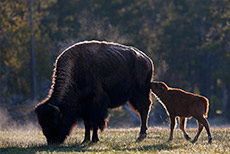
point(159, 87)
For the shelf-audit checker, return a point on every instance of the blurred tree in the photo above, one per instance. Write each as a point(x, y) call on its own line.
point(32, 54)
point(14, 36)
point(188, 40)
point(15, 46)
point(218, 38)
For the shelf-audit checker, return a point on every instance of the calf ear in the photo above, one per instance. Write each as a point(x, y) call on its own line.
point(155, 84)
point(163, 88)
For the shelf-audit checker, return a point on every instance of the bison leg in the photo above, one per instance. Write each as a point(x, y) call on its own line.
point(98, 114)
point(182, 122)
point(95, 135)
point(142, 104)
point(87, 133)
point(172, 125)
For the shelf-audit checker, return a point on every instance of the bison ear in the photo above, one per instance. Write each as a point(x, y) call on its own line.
point(55, 108)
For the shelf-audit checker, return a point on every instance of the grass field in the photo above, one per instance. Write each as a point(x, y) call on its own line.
point(117, 141)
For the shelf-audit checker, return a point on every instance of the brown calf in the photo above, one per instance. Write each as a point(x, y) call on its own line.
point(183, 104)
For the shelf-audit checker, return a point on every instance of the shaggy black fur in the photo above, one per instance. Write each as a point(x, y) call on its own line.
point(89, 78)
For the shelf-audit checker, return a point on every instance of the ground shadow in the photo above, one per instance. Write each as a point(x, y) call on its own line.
point(83, 148)
point(155, 147)
point(44, 148)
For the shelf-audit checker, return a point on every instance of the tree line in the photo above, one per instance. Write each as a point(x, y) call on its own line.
point(188, 40)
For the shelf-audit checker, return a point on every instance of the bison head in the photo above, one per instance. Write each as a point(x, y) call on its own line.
point(52, 122)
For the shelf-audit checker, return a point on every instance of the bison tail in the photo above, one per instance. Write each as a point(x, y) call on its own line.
point(206, 108)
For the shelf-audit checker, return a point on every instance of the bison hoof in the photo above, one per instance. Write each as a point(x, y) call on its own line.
point(141, 137)
point(95, 140)
point(85, 142)
point(169, 140)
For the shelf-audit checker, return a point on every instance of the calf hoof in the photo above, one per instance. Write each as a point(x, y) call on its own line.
point(210, 139)
point(141, 137)
point(194, 140)
point(187, 137)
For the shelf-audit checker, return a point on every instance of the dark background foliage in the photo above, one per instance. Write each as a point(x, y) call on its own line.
point(188, 40)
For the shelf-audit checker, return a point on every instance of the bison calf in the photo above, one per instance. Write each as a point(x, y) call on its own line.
point(183, 104)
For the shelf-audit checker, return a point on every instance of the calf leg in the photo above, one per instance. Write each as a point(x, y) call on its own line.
point(205, 123)
point(172, 125)
point(182, 122)
point(200, 128)
point(142, 104)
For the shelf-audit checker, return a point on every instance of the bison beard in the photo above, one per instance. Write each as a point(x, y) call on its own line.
point(89, 78)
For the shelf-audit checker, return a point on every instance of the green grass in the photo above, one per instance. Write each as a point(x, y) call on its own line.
point(117, 141)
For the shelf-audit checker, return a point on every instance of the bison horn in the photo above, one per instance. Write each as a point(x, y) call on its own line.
point(57, 110)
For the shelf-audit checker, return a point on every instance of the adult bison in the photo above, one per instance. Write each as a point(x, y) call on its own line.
point(88, 79)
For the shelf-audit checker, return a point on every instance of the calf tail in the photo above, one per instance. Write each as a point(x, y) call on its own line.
point(206, 108)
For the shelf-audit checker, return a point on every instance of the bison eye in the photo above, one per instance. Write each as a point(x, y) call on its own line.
point(57, 120)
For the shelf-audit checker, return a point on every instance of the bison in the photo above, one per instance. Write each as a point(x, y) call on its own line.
point(89, 78)
point(183, 104)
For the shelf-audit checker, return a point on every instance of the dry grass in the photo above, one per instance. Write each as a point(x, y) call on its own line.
point(117, 141)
